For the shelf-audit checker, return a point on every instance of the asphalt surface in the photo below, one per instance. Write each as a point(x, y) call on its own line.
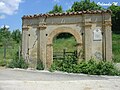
point(18, 79)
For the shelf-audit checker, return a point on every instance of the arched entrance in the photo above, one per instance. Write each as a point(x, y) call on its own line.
point(76, 34)
point(64, 46)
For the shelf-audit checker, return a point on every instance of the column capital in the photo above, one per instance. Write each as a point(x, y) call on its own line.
point(107, 23)
point(87, 24)
point(41, 27)
point(25, 27)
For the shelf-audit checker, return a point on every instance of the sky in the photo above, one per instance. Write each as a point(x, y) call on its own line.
point(11, 11)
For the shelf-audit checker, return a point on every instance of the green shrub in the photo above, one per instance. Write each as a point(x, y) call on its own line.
point(18, 63)
point(65, 65)
point(40, 65)
point(87, 67)
point(2, 63)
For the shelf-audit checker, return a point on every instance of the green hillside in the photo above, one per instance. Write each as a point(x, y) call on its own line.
point(68, 44)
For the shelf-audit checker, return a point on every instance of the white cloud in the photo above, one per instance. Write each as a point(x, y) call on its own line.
point(6, 26)
point(56, 1)
point(2, 16)
point(9, 7)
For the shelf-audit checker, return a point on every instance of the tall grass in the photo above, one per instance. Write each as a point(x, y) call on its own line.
point(10, 52)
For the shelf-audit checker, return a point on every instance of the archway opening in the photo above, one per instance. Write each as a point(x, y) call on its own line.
point(64, 45)
point(52, 40)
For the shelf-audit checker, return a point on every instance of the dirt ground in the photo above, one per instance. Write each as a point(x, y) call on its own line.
point(18, 79)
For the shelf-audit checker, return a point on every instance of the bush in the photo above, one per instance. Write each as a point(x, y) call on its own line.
point(64, 65)
point(18, 63)
point(40, 65)
point(87, 67)
point(2, 63)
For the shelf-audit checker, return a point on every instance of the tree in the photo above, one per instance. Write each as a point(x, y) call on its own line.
point(115, 18)
point(56, 9)
point(16, 35)
point(5, 39)
point(84, 5)
point(4, 35)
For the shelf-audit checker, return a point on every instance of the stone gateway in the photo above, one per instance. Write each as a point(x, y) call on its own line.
point(91, 29)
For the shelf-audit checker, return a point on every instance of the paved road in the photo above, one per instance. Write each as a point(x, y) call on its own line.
point(16, 79)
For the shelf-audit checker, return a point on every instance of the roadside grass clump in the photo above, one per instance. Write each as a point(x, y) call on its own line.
point(91, 67)
point(40, 65)
point(2, 63)
point(17, 63)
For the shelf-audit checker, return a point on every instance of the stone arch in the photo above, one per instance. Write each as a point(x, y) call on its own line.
point(49, 49)
point(64, 30)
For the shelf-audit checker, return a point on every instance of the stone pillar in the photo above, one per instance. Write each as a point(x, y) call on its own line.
point(79, 52)
point(87, 41)
point(41, 48)
point(107, 41)
point(49, 56)
point(107, 37)
point(25, 42)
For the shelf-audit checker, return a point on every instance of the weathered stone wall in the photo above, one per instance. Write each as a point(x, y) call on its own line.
point(38, 34)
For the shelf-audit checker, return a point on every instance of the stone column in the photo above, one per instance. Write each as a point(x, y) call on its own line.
point(79, 52)
point(87, 41)
point(49, 57)
point(107, 41)
point(25, 42)
point(107, 37)
point(41, 50)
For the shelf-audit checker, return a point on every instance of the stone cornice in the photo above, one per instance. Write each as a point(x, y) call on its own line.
point(67, 14)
